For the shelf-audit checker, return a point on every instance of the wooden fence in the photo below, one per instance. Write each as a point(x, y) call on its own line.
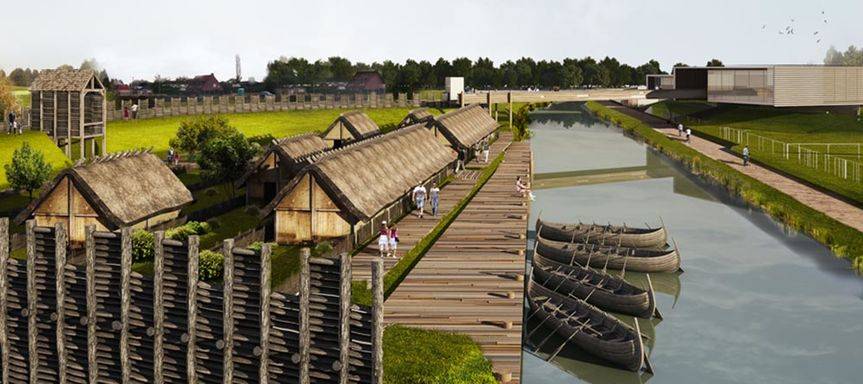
point(90, 318)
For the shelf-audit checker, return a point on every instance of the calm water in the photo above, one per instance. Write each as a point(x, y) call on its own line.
point(756, 303)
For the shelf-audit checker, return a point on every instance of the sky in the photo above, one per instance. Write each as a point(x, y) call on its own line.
point(142, 39)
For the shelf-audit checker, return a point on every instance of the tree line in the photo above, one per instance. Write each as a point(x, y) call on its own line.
point(480, 73)
point(23, 77)
point(851, 56)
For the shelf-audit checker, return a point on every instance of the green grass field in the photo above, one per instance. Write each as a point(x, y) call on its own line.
point(416, 356)
point(786, 125)
point(39, 141)
point(23, 95)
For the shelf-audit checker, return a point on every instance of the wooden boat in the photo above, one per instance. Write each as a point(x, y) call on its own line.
point(606, 291)
point(588, 327)
point(599, 256)
point(603, 234)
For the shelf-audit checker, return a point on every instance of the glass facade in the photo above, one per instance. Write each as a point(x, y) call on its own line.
point(744, 86)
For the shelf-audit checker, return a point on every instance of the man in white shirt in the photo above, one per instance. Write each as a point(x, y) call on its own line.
point(679, 129)
point(419, 197)
point(134, 111)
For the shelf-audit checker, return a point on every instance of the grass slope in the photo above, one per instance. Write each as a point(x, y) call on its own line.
point(39, 141)
point(416, 356)
point(23, 95)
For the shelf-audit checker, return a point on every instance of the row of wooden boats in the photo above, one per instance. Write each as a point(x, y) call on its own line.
point(570, 288)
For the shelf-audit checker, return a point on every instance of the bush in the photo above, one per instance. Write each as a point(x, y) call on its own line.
point(262, 141)
point(28, 169)
point(194, 133)
point(211, 265)
point(183, 232)
point(143, 246)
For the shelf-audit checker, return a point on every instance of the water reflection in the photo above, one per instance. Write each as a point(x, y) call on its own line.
point(757, 303)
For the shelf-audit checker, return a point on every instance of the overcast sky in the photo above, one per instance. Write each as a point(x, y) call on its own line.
point(139, 39)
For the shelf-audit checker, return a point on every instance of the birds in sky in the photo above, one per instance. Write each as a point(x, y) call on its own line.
point(790, 29)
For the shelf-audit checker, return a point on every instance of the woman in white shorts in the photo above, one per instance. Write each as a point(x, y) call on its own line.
point(394, 241)
point(384, 239)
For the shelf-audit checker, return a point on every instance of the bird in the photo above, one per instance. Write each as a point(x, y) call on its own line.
point(764, 26)
point(818, 41)
point(816, 32)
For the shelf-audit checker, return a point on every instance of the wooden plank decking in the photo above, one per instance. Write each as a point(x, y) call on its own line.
point(471, 281)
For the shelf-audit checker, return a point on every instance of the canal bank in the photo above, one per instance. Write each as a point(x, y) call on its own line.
point(844, 241)
point(758, 302)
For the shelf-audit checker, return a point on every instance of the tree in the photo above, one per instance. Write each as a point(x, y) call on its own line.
point(341, 68)
point(681, 65)
point(525, 68)
point(852, 57)
point(194, 133)
point(572, 76)
point(442, 70)
point(715, 63)
point(20, 77)
point(8, 101)
point(28, 169)
point(484, 75)
point(462, 67)
point(224, 158)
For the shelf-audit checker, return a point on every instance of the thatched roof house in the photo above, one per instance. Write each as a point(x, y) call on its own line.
point(279, 164)
point(350, 126)
point(120, 190)
point(466, 126)
point(416, 116)
point(69, 105)
point(342, 188)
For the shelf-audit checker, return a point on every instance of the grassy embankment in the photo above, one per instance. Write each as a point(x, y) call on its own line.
point(786, 125)
point(845, 242)
point(416, 356)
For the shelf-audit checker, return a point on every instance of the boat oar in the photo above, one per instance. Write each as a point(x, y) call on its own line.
point(645, 361)
point(650, 292)
point(677, 250)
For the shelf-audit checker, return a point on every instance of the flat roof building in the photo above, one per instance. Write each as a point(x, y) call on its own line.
point(775, 85)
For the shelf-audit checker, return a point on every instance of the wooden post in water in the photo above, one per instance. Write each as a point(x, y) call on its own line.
point(60, 240)
point(125, 300)
point(344, 315)
point(90, 256)
point(378, 321)
point(266, 251)
point(228, 312)
point(31, 301)
point(305, 337)
point(158, 307)
point(4, 286)
point(192, 306)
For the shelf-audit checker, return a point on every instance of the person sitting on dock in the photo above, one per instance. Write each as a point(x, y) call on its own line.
point(745, 156)
point(419, 198)
point(384, 239)
point(522, 188)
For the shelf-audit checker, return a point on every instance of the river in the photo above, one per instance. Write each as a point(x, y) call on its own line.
point(756, 304)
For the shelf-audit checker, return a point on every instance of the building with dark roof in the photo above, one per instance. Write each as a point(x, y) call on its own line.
point(349, 127)
point(367, 81)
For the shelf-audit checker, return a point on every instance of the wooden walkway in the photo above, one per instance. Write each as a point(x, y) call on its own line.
point(471, 281)
point(843, 212)
point(412, 229)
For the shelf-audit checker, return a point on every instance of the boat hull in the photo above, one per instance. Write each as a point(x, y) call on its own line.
point(601, 234)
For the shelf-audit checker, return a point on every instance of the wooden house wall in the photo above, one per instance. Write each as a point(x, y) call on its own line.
point(339, 132)
point(308, 213)
point(799, 86)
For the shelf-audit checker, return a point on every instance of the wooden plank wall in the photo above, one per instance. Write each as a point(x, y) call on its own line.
point(92, 319)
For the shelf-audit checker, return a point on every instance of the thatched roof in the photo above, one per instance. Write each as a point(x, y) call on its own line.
point(291, 148)
point(124, 189)
point(466, 126)
point(416, 116)
point(358, 124)
point(365, 177)
point(63, 80)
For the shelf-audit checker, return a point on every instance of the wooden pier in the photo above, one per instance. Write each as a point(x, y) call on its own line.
point(472, 280)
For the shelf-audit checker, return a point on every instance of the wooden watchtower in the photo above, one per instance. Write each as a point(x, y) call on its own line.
point(69, 105)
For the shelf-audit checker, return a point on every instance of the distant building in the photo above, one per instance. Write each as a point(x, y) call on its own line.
point(366, 81)
point(773, 85)
point(203, 84)
point(660, 81)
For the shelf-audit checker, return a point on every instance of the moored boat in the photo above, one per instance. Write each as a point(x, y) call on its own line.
point(603, 234)
point(609, 257)
point(588, 327)
point(606, 291)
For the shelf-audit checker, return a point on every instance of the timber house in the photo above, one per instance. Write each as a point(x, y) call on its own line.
point(342, 192)
point(133, 189)
point(349, 127)
point(282, 161)
point(69, 105)
point(416, 116)
point(465, 127)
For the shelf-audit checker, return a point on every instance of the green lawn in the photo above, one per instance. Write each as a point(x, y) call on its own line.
point(229, 225)
point(416, 356)
point(208, 197)
point(39, 141)
point(786, 125)
point(156, 133)
point(22, 94)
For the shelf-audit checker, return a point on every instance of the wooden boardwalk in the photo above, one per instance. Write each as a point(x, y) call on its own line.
point(838, 209)
point(412, 229)
point(471, 281)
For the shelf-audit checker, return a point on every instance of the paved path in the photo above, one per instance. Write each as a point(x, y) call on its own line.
point(843, 212)
point(412, 229)
point(471, 281)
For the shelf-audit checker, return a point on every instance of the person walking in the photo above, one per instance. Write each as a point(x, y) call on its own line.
point(419, 198)
point(384, 239)
point(394, 240)
point(134, 111)
point(459, 164)
point(434, 198)
point(688, 134)
point(485, 149)
point(125, 112)
point(11, 119)
point(746, 156)
point(679, 129)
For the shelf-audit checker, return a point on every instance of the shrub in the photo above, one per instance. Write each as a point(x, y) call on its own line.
point(183, 232)
point(211, 265)
point(143, 246)
point(194, 133)
point(28, 169)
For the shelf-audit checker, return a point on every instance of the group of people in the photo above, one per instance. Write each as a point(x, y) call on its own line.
point(681, 131)
point(419, 194)
point(480, 150)
point(134, 112)
point(173, 157)
point(13, 125)
point(388, 240)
